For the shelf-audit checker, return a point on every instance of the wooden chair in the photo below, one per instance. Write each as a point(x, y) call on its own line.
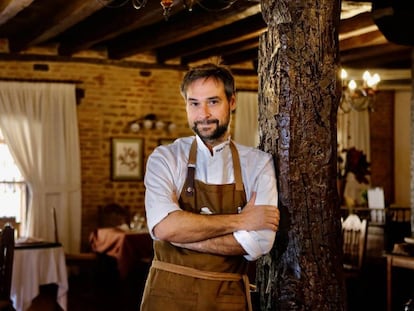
point(6, 267)
point(397, 226)
point(113, 215)
point(354, 244)
point(75, 262)
point(110, 215)
point(12, 222)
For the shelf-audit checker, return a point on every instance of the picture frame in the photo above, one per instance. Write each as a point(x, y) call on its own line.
point(127, 159)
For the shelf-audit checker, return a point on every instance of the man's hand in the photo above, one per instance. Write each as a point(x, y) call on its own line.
point(259, 217)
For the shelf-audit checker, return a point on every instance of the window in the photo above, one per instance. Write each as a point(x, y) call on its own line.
point(12, 185)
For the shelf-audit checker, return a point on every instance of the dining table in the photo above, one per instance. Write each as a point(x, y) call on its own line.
point(402, 256)
point(129, 247)
point(38, 263)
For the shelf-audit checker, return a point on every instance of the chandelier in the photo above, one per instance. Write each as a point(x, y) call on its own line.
point(358, 98)
point(209, 5)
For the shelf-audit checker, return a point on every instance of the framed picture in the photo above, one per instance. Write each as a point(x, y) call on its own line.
point(127, 159)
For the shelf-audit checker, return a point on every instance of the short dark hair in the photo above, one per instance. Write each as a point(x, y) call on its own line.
point(209, 70)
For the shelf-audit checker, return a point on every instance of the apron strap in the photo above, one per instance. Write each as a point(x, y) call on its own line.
point(189, 182)
point(236, 167)
point(206, 275)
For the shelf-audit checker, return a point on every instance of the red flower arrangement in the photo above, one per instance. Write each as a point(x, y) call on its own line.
point(356, 163)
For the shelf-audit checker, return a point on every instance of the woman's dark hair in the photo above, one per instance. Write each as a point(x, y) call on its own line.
point(209, 70)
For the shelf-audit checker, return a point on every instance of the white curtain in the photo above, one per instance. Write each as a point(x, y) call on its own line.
point(39, 123)
point(246, 119)
point(353, 131)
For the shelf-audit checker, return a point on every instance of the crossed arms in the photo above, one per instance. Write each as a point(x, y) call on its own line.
point(214, 233)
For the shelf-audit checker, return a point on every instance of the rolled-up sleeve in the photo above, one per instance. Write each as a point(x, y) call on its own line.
point(255, 243)
point(160, 195)
point(259, 243)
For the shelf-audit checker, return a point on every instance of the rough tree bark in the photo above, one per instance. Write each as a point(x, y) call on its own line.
point(299, 92)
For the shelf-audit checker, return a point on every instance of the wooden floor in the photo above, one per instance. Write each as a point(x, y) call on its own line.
point(89, 292)
point(95, 290)
point(100, 288)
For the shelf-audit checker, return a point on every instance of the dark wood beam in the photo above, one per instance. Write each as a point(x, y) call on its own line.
point(221, 51)
point(88, 60)
point(365, 39)
point(382, 56)
point(50, 17)
point(109, 23)
point(23, 20)
point(180, 27)
point(240, 57)
point(10, 8)
point(356, 22)
point(4, 4)
point(247, 28)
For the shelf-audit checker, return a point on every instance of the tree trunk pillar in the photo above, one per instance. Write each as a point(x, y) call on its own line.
point(299, 91)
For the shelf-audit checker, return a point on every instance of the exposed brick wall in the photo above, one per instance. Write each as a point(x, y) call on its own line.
point(382, 144)
point(113, 97)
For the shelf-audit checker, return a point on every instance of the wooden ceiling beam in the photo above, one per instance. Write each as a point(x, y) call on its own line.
point(362, 20)
point(240, 57)
point(59, 15)
point(225, 50)
point(382, 56)
point(392, 61)
point(76, 11)
point(79, 25)
point(24, 18)
point(247, 28)
point(368, 52)
point(108, 24)
point(362, 40)
point(10, 8)
point(179, 27)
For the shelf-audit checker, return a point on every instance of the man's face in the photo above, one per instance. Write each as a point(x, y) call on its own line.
point(208, 110)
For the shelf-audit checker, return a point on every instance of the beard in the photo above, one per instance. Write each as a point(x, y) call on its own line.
point(216, 134)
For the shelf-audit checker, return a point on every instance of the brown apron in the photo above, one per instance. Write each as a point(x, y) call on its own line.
point(184, 280)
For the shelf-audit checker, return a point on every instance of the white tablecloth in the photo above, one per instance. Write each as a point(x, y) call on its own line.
point(33, 267)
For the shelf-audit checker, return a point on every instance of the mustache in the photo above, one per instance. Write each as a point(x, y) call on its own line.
point(206, 122)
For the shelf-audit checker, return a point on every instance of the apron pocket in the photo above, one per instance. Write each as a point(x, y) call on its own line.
point(164, 301)
point(231, 303)
point(170, 292)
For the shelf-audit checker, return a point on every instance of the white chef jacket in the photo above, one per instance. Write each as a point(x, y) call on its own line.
point(166, 172)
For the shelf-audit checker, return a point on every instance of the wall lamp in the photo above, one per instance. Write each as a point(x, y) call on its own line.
point(151, 122)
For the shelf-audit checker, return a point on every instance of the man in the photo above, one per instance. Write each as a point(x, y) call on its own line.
point(211, 205)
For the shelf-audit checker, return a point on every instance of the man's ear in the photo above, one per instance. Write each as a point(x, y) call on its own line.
point(233, 103)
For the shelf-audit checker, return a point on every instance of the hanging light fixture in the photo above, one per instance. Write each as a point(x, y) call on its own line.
point(358, 98)
point(209, 5)
point(137, 4)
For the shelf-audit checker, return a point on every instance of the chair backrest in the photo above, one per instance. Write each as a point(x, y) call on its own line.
point(12, 222)
point(113, 215)
point(397, 226)
point(6, 261)
point(354, 242)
